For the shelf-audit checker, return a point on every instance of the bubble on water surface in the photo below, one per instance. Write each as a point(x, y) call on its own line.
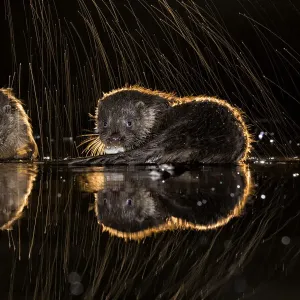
point(74, 277)
point(285, 240)
point(76, 288)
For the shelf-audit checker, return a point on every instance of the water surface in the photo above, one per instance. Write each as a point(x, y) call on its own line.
point(145, 233)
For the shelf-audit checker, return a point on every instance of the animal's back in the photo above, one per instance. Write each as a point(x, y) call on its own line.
point(209, 126)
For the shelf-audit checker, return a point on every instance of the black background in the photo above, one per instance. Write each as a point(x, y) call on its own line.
point(267, 32)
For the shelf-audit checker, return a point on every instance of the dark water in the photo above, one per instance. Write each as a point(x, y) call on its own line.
point(133, 233)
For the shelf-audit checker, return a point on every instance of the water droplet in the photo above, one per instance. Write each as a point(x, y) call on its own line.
point(285, 240)
point(74, 277)
point(76, 288)
point(261, 135)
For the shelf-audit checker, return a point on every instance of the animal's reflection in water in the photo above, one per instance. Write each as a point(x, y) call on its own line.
point(134, 206)
point(16, 181)
point(61, 238)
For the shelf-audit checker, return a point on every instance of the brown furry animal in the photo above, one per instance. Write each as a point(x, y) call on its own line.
point(16, 139)
point(138, 126)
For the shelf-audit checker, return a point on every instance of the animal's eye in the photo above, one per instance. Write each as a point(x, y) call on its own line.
point(129, 202)
point(105, 200)
point(128, 123)
point(104, 124)
point(7, 109)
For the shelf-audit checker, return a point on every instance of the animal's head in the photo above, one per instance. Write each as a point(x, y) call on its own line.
point(125, 118)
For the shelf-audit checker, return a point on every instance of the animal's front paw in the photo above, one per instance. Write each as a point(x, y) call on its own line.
point(107, 159)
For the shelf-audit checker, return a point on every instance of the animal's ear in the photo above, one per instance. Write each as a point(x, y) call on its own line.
point(140, 105)
point(6, 109)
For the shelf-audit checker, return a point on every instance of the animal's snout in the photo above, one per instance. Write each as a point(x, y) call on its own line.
point(115, 137)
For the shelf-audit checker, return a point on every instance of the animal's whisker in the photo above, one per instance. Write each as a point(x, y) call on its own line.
point(89, 134)
point(98, 148)
point(90, 145)
point(95, 147)
point(87, 141)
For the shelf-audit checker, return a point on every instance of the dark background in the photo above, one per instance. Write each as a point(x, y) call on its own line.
point(63, 72)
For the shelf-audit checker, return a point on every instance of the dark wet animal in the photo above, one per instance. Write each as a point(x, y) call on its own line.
point(16, 139)
point(140, 126)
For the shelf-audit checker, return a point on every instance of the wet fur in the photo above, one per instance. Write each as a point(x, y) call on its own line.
point(169, 129)
point(16, 138)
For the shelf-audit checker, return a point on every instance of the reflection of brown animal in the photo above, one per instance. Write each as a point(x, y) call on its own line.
point(16, 182)
point(16, 139)
point(131, 207)
point(142, 126)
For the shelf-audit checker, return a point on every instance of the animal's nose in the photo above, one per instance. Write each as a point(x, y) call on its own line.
point(115, 137)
